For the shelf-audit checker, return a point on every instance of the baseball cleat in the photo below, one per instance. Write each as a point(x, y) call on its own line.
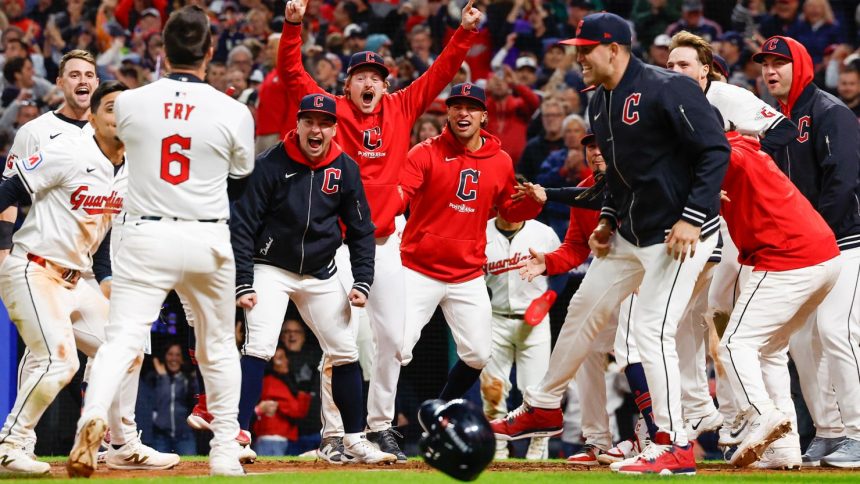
point(83, 458)
point(779, 458)
point(15, 460)
point(247, 455)
point(30, 447)
point(733, 433)
point(244, 438)
point(200, 418)
point(818, 448)
point(586, 457)
point(361, 451)
point(331, 450)
point(764, 429)
point(538, 449)
point(502, 451)
point(527, 421)
point(700, 425)
point(386, 441)
point(136, 455)
point(664, 458)
point(846, 456)
point(629, 448)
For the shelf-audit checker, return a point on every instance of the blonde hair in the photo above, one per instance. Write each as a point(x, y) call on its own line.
point(76, 54)
point(704, 51)
point(825, 5)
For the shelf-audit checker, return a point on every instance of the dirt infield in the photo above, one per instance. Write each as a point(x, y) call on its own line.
point(201, 468)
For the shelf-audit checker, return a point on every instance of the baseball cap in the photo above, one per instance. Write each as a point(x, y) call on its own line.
point(691, 6)
point(733, 38)
point(526, 61)
point(151, 11)
point(775, 45)
point(662, 40)
point(318, 103)
point(601, 28)
point(354, 30)
point(721, 65)
point(256, 76)
point(467, 90)
point(587, 139)
point(367, 59)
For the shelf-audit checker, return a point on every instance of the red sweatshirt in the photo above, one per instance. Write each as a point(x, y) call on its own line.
point(509, 118)
point(574, 250)
point(773, 225)
point(290, 408)
point(272, 116)
point(453, 192)
point(379, 141)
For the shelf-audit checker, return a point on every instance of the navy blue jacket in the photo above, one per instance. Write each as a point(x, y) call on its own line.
point(824, 161)
point(288, 217)
point(665, 151)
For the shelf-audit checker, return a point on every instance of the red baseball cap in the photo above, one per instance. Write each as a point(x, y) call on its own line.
point(601, 28)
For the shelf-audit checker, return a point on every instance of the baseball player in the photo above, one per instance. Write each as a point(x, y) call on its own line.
point(590, 380)
point(663, 191)
point(375, 128)
point(692, 56)
point(795, 263)
point(452, 182)
point(822, 161)
point(310, 183)
point(514, 340)
point(77, 185)
point(184, 140)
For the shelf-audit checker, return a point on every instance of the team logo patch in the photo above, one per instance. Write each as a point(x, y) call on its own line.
point(803, 125)
point(10, 161)
point(372, 138)
point(331, 179)
point(467, 189)
point(630, 115)
point(33, 161)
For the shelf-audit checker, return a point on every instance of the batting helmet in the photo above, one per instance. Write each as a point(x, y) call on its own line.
point(457, 438)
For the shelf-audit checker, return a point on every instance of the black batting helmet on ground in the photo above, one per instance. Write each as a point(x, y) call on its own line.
point(457, 438)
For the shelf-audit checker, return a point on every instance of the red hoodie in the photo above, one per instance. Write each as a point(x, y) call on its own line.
point(290, 408)
point(574, 250)
point(773, 225)
point(453, 192)
point(379, 141)
point(509, 118)
point(802, 73)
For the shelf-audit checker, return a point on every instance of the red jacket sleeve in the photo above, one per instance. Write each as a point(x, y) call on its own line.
point(295, 406)
point(123, 8)
point(574, 250)
point(297, 83)
point(412, 175)
point(514, 211)
point(416, 98)
point(530, 101)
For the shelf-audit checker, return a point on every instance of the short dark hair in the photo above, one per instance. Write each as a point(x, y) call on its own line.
point(103, 90)
point(12, 67)
point(187, 38)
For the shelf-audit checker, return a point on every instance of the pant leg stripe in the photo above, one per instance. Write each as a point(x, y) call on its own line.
point(729, 342)
point(47, 347)
point(735, 288)
point(848, 323)
point(663, 350)
point(627, 336)
point(247, 333)
point(21, 366)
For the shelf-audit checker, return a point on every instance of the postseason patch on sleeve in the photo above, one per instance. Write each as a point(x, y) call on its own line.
point(33, 161)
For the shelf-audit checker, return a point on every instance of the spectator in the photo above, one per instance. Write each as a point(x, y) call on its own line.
point(18, 113)
point(304, 367)
point(174, 387)
point(257, 24)
point(552, 112)
point(426, 127)
point(130, 14)
point(238, 85)
point(327, 76)
point(22, 81)
point(526, 70)
point(510, 106)
point(652, 17)
point(17, 17)
point(355, 39)
point(658, 53)
point(817, 29)
point(731, 46)
point(216, 75)
point(782, 19)
point(849, 89)
point(576, 11)
point(693, 20)
point(241, 58)
point(420, 43)
point(282, 404)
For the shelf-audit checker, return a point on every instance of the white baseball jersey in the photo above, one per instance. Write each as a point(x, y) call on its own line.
point(182, 138)
point(741, 110)
point(510, 293)
point(77, 193)
point(36, 134)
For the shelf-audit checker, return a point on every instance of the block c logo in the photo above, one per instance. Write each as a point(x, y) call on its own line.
point(467, 190)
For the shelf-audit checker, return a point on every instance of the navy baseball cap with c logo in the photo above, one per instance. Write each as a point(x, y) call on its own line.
point(601, 28)
point(367, 59)
point(318, 103)
point(467, 91)
point(775, 45)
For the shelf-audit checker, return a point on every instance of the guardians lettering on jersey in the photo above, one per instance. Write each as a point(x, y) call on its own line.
point(505, 265)
point(96, 204)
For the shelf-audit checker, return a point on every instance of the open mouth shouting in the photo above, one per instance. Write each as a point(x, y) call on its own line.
point(367, 98)
point(82, 92)
point(315, 142)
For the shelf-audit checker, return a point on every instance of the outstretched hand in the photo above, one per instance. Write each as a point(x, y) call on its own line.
point(295, 10)
point(534, 266)
point(471, 16)
point(537, 192)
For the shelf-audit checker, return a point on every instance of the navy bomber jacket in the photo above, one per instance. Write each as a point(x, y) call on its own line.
point(288, 217)
point(665, 150)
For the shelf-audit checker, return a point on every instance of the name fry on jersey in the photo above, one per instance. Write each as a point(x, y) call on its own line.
point(95, 204)
point(462, 208)
point(505, 265)
point(180, 110)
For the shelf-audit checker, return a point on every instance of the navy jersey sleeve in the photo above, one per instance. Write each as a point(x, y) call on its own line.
point(355, 214)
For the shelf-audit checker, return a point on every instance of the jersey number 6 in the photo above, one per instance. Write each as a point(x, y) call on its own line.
point(175, 166)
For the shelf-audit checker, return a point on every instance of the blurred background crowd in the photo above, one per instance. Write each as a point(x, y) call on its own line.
point(536, 105)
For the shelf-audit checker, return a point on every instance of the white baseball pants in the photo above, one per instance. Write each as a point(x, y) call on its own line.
point(772, 306)
point(196, 259)
point(692, 342)
point(467, 311)
point(665, 286)
point(814, 374)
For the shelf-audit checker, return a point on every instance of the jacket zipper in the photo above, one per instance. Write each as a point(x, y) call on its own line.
point(310, 200)
point(827, 140)
point(615, 164)
point(358, 209)
point(684, 115)
point(788, 162)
